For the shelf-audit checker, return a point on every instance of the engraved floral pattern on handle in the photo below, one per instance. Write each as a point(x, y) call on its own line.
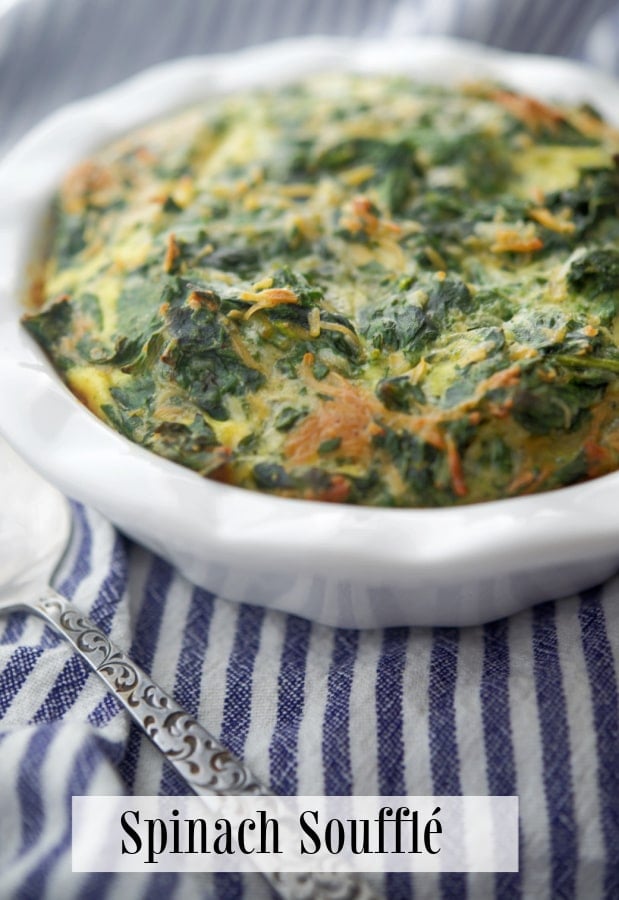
point(201, 760)
point(205, 765)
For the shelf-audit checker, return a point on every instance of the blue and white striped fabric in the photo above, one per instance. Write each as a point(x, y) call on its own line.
point(525, 706)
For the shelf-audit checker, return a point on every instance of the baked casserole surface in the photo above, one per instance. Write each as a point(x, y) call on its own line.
point(356, 288)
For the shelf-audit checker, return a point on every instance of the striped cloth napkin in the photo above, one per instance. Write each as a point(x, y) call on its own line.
point(525, 706)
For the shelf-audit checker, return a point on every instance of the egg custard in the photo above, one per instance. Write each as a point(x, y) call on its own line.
point(356, 289)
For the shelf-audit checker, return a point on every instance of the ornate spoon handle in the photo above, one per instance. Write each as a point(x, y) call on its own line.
point(206, 766)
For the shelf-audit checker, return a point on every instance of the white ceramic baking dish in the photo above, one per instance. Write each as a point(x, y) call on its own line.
point(336, 564)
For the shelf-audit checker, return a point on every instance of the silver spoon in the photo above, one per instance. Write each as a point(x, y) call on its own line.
point(34, 533)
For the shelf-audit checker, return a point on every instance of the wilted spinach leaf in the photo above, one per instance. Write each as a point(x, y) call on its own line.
point(204, 361)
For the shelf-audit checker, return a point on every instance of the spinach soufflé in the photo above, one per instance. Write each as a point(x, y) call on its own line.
point(357, 289)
